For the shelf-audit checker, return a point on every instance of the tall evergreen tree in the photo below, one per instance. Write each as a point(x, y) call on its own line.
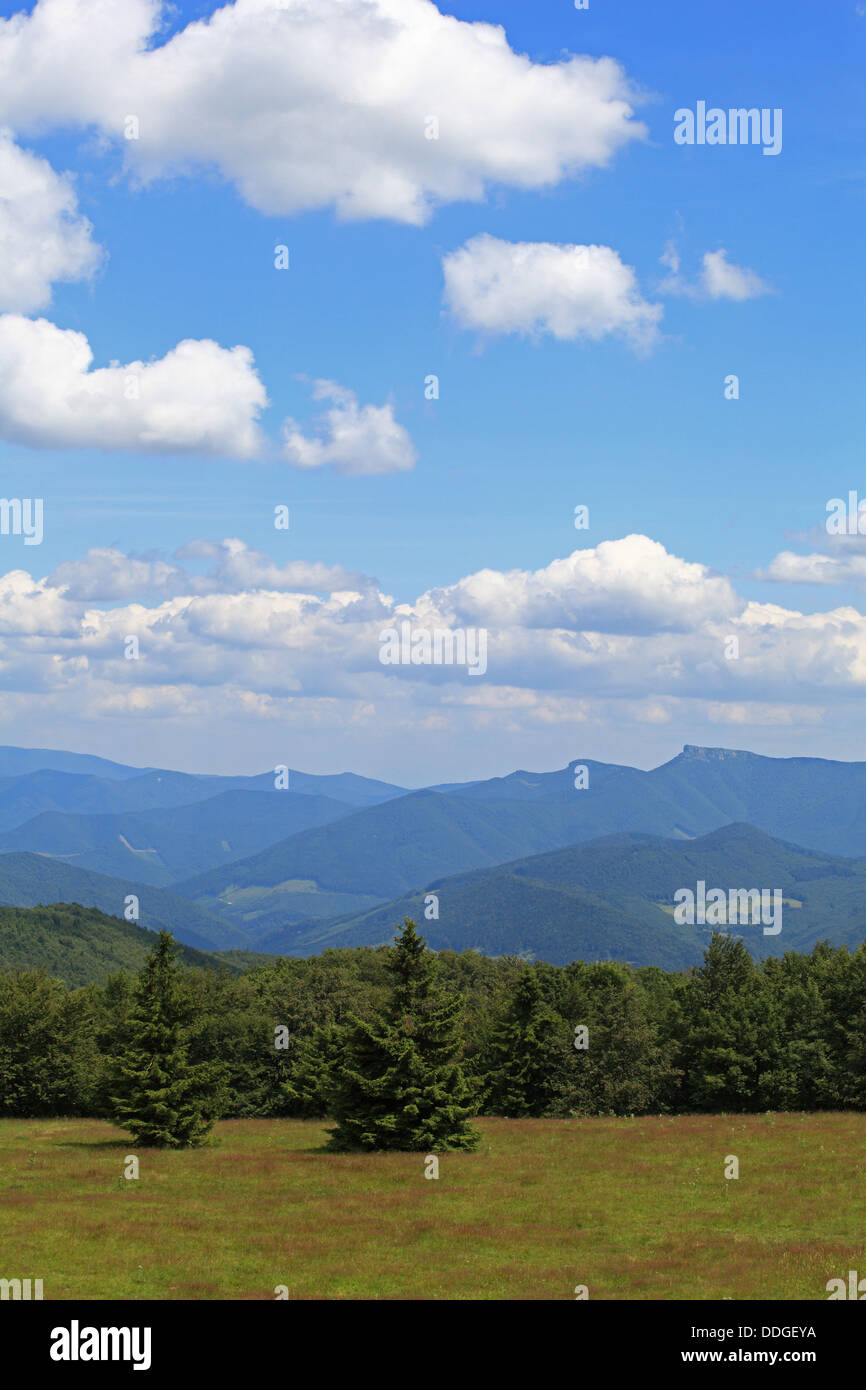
point(526, 1059)
point(312, 1072)
point(399, 1084)
point(726, 1047)
point(162, 1098)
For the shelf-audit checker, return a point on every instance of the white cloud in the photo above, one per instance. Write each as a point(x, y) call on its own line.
point(105, 573)
point(631, 585)
point(306, 105)
point(540, 287)
point(624, 620)
point(352, 438)
point(198, 398)
point(722, 280)
point(719, 278)
point(43, 236)
point(34, 608)
point(788, 568)
point(622, 635)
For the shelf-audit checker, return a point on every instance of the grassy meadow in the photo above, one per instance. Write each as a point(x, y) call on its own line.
point(632, 1208)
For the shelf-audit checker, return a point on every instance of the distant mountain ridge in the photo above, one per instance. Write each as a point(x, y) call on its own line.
point(242, 869)
point(614, 898)
point(159, 845)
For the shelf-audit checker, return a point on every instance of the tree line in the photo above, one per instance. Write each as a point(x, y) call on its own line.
point(400, 1047)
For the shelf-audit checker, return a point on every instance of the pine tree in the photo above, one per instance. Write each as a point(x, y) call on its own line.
point(162, 1098)
point(525, 1060)
point(399, 1083)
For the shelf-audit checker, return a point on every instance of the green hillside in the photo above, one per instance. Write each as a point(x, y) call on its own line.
point(498, 913)
point(29, 880)
point(377, 853)
point(81, 945)
point(810, 801)
point(613, 898)
point(392, 850)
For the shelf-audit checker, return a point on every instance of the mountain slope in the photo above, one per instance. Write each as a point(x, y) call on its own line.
point(159, 846)
point(615, 897)
point(810, 801)
point(378, 853)
point(27, 880)
point(80, 945)
point(17, 762)
point(33, 793)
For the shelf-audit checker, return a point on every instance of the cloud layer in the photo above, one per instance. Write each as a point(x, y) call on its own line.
point(621, 633)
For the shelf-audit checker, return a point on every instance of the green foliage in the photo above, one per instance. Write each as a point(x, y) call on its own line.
point(314, 1072)
point(163, 1099)
point(81, 944)
point(398, 1084)
point(527, 1057)
point(726, 1030)
point(370, 1027)
point(47, 1053)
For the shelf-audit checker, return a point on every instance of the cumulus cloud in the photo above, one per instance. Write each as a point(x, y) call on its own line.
point(625, 618)
point(352, 438)
point(306, 105)
point(719, 278)
point(540, 287)
point(631, 585)
point(43, 236)
point(199, 397)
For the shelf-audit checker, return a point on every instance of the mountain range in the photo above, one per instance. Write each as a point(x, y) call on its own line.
point(555, 865)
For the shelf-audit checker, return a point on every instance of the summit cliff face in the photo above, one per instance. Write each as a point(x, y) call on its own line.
point(694, 750)
point(697, 753)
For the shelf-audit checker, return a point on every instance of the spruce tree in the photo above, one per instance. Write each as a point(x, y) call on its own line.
point(399, 1084)
point(310, 1083)
point(526, 1057)
point(162, 1098)
point(726, 1030)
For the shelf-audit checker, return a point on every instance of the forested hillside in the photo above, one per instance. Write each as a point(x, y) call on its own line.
point(80, 945)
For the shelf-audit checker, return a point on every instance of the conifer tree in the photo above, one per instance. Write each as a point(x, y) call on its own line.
point(307, 1092)
point(626, 1069)
point(525, 1060)
point(162, 1098)
point(724, 1052)
point(399, 1084)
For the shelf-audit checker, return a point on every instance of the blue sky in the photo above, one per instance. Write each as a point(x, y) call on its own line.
point(527, 424)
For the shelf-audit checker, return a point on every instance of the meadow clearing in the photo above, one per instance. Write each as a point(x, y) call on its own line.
point(631, 1208)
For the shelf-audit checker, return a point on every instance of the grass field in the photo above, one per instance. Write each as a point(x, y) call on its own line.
point(632, 1208)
